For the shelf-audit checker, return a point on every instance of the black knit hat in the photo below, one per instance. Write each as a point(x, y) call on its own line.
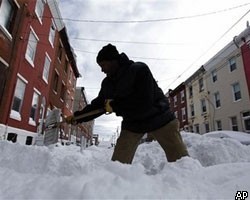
point(108, 52)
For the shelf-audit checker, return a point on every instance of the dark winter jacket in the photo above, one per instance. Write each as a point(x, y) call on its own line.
point(136, 97)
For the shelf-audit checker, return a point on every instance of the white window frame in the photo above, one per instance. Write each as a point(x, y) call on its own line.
point(197, 128)
point(67, 99)
point(46, 67)
point(20, 85)
point(192, 112)
point(7, 11)
point(203, 104)
point(60, 52)
point(236, 91)
point(232, 63)
point(35, 101)
point(31, 47)
point(217, 98)
point(207, 127)
point(183, 114)
point(218, 125)
point(190, 90)
point(52, 33)
point(71, 104)
point(39, 9)
point(55, 84)
point(245, 119)
point(63, 91)
point(176, 114)
point(201, 84)
point(234, 125)
point(182, 96)
point(214, 75)
point(175, 100)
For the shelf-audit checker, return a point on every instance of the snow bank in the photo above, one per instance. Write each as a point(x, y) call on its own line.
point(217, 169)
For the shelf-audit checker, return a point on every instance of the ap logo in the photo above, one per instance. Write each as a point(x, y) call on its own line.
point(241, 195)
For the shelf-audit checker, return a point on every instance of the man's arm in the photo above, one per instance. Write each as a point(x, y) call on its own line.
point(96, 104)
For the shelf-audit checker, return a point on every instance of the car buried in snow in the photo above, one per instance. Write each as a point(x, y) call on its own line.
point(242, 137)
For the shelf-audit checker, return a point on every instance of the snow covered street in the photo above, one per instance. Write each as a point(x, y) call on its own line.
point(217, 169)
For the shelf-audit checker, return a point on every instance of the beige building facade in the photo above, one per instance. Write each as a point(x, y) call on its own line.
point(197, 102)
point(228, 95)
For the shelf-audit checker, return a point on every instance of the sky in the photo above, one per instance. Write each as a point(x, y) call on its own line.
point(173, 37)
point(216, 169)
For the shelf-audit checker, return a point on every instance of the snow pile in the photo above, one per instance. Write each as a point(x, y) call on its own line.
point(216, 169)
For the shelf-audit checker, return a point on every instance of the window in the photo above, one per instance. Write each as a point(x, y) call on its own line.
point(60, 52)
point(234, 123)
point(12, 137)
point(203, 106)
point(39, 9)
point(182, 96)
point(46, 68)
point(176, 114)
point(66, 66)
point(190, 88)
point(207, 127)
point(18, 97)
point(29, 140)
point(183, 112)
point(71, 103)
point(70, 76)
point(67, 99)
point(34, 106)
point(246, 121)
point(74, 83)
point(63, 90)
point(191, 129)
point(218, 125)
point(201, 84)
point(52, 33)
point(56, 81)
point(214, 76)
point(42, 107)
point(197, 128)
point(7, 14)
point(217, 99)
point(175, 100)
point(31, 47)
point(236, 91)
point(192, 110)
point(232, 64)
point(3, 76)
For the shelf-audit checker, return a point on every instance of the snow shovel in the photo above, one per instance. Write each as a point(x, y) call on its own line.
point(88, 114)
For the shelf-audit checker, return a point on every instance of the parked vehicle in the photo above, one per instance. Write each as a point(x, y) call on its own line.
point(243, 138)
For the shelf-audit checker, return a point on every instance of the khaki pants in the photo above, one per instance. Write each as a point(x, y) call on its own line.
point(168, 137)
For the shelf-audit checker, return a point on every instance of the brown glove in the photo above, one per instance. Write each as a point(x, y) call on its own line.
point(70, 120)
point(107, 105)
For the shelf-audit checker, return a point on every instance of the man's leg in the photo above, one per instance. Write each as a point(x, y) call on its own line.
point(126, 146)
point(171, 141)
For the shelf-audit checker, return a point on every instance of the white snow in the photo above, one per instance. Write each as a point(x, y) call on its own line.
point(216, 169)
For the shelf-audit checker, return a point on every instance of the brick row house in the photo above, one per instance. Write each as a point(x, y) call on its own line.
point(83, 132)
point(218, 93)
point(38, 70)
point(178, 104)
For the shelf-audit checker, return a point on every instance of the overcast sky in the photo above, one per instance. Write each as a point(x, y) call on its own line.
point(173, 37)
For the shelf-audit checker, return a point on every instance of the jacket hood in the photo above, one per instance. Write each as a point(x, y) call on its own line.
point(124, 63)
point(124, 60)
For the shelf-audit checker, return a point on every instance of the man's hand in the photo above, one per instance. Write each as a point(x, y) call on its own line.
point(107, 106)
point(70, 120)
